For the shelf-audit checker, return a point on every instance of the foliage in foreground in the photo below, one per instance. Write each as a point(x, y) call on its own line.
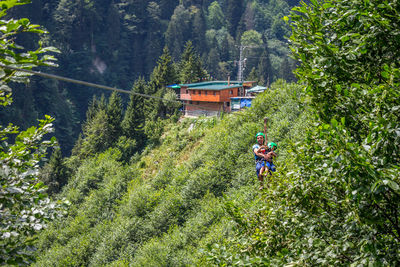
point(24, 207)
point(337, 203)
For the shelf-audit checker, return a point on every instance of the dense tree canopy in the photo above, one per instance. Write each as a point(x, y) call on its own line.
point(116, 42)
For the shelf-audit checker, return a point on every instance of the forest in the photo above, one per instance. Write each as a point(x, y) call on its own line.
point(92, 178)
point(115, 43)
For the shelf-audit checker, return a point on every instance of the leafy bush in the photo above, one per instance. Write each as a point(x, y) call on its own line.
point(172, 207)
point(336, 202)
point(25, 208)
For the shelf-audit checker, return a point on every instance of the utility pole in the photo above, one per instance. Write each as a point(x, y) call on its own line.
point(242, 62)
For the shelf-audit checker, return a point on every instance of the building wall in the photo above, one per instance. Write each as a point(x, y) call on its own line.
point(210, 97)
point(208, 105)
point(183, 91)
point(200, 95)
point(213, 102)
point(226, 94)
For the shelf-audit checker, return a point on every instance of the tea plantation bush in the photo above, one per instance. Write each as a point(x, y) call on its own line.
point(169, 206)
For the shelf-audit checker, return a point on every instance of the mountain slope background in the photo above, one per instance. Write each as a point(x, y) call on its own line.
point(167, 206)
point(115, 43)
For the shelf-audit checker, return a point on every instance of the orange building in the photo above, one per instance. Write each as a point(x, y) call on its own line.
point(210, 98)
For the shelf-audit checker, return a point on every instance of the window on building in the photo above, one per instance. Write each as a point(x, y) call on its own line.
point(205, 92)
point(231, 92)
point(215, 93)
point(187, 91)
point(199, 92)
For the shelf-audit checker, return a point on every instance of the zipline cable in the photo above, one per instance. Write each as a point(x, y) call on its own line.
point(65, 79)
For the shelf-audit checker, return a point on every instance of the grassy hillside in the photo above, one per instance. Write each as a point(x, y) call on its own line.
point(169, 205)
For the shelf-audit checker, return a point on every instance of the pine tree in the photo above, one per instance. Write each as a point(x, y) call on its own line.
point(199, 29)
point(179, 30)
point(113, 27)
point(163, 74)
point(95, 105)
point(190, 66)
point(225, 46)
point(253, 76)
point(213, 60)
point(78, 146)
point(93, 108)
point(215, 18)
point(96, 135)
point(55, 174)
point(264, 66)
point(134, 118)
point(102, 127)
point(234, 10)
point(154, 40)
point(167, 8)
point(114, 117)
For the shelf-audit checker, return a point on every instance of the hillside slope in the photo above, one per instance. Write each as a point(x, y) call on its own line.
point(169, 204)
point(115, 43)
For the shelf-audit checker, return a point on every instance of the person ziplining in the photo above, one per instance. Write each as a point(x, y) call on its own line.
point(264, 154)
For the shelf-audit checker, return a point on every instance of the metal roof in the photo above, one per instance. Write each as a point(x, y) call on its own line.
point(242, 97)
point(257, 89)
point(174, 86)
point(212, 85)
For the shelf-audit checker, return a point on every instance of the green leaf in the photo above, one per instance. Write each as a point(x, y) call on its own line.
point(24, 22)
point(327, 5)
point(385, 74)
point(393, 185)
point(334, 122)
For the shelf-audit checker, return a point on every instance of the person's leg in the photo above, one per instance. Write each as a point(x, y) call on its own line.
point(262, 170)
point(271, 166)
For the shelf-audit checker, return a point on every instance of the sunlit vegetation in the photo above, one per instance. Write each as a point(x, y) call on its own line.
point(147, 187)
point(167, 205)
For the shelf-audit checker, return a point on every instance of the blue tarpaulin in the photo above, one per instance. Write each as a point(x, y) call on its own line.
point(238, 103)
point(245, 102)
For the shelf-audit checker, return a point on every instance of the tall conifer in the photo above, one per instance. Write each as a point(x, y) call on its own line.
point(114, 117)
point(265, 72)
point(55, 174)
point(234, 11)
point(134, 118)
point(191, 69)
point(163, 74)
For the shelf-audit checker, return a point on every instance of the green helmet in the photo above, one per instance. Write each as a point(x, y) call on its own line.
point(260, 133)
point(272, 144)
